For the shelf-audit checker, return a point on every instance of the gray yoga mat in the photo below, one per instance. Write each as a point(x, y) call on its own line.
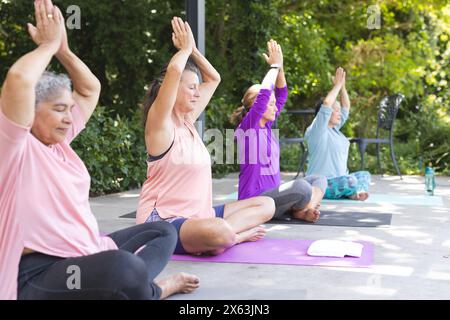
point(331, 218)
point(131, 215)
point(377, 198)
point(343, 219)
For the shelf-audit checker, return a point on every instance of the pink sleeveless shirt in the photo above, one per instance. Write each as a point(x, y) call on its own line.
point(179, 184)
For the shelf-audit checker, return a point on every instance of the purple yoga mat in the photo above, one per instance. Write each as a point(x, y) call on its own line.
point(282, 251)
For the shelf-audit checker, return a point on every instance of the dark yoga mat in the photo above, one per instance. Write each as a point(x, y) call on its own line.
point(131, 215)
point(331, 218)
point(343, 219)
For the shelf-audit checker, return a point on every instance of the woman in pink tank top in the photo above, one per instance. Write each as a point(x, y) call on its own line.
point(178, 188)
point(50, 244)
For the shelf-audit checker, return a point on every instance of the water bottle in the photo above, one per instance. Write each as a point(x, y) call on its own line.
point(430, 182)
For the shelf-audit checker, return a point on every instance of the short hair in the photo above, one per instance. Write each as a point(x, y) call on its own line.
point(50, 85)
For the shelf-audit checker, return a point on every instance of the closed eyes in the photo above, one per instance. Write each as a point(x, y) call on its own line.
point(62, 107)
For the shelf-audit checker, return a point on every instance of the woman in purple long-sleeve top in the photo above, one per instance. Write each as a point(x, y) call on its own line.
point(259, 150)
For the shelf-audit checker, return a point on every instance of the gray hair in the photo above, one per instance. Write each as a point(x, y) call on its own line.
point(51, 85)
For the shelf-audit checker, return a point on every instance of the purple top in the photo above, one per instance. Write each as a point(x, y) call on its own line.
point(260, 163)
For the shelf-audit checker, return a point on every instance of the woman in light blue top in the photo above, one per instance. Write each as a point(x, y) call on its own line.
point(328, 147)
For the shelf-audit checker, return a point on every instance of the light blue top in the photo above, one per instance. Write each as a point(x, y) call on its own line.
point(327, 147)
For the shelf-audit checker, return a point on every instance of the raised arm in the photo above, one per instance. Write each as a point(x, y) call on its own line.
point(18, 93)
point(321, 121)
point(281, 92)
point(281, 79)
point(210, 77)
point(345, 100)
point(338, 82)
point(345, 104)
point(275, 60)
point(159, 125)
point(165, 101)
point(86, 86)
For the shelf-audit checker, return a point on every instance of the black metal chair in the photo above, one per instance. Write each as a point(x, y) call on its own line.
point(303, 152)
point(387, 113)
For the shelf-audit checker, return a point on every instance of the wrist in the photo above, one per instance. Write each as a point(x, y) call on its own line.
point(50, 47)
point(186, 51)
point(63, 53)
point(196, 53)
point(275, 66)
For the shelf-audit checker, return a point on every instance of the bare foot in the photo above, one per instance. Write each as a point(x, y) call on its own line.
point(178, 283)
point(253, 234)
point(361, 196)
point(307, 214)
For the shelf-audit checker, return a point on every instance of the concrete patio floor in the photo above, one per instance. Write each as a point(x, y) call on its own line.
point(411, 258)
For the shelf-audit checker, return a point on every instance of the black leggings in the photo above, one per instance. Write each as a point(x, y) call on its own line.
point(114, 274)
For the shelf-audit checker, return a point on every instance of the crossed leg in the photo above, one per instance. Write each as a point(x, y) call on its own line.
point(311, 212)
point(241, 222)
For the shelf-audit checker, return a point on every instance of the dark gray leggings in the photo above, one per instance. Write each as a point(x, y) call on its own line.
point(295, 194)
point(114, 274)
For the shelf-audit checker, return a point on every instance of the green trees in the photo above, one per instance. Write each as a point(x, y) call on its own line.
point(123, 42)
point(126, 43)
point(409, 53)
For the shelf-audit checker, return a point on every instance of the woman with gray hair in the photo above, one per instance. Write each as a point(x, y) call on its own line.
point(49, 238)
